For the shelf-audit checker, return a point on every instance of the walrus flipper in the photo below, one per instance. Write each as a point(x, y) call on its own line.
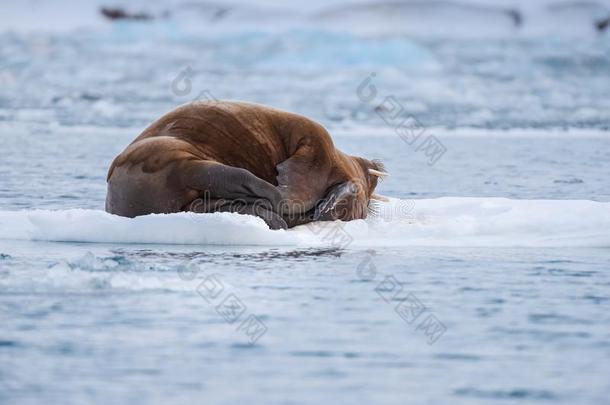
point(301, 182)
point(240, 206)
point(339, 197)
point(225, 188)
point(228, 182)
point(335, 205)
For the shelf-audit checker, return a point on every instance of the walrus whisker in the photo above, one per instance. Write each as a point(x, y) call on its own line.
point(379, 197)
point(373, 208)
point(378, 173)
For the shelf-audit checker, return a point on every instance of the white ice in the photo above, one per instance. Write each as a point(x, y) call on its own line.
point(449, 221)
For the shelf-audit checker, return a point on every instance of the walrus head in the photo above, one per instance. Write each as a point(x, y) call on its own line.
point(355, 197)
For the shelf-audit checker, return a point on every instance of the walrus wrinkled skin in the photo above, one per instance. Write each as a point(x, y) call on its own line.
point(240, 157)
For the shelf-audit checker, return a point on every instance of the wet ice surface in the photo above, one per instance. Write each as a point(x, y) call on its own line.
point(125, 322)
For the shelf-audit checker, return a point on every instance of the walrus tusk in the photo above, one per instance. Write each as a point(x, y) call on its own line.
point(379, 198)
point(378, 173)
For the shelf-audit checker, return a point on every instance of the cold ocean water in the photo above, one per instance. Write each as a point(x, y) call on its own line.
point(485, 279)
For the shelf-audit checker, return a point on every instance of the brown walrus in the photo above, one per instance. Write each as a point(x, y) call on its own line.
point(240, 157)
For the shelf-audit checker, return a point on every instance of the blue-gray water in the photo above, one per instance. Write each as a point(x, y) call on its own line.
point(118, 323)
point(125, 323)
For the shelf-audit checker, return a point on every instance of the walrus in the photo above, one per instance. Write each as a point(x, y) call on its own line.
point(215, 156)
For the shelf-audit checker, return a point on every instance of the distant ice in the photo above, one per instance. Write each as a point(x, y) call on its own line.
point(466, 18)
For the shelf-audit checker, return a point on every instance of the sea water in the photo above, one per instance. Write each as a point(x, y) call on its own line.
point(484, 279)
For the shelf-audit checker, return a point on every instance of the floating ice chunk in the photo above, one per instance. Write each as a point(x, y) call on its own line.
point(450, 221)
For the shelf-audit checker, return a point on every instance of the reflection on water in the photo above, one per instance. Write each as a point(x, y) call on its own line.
point(211, 256)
